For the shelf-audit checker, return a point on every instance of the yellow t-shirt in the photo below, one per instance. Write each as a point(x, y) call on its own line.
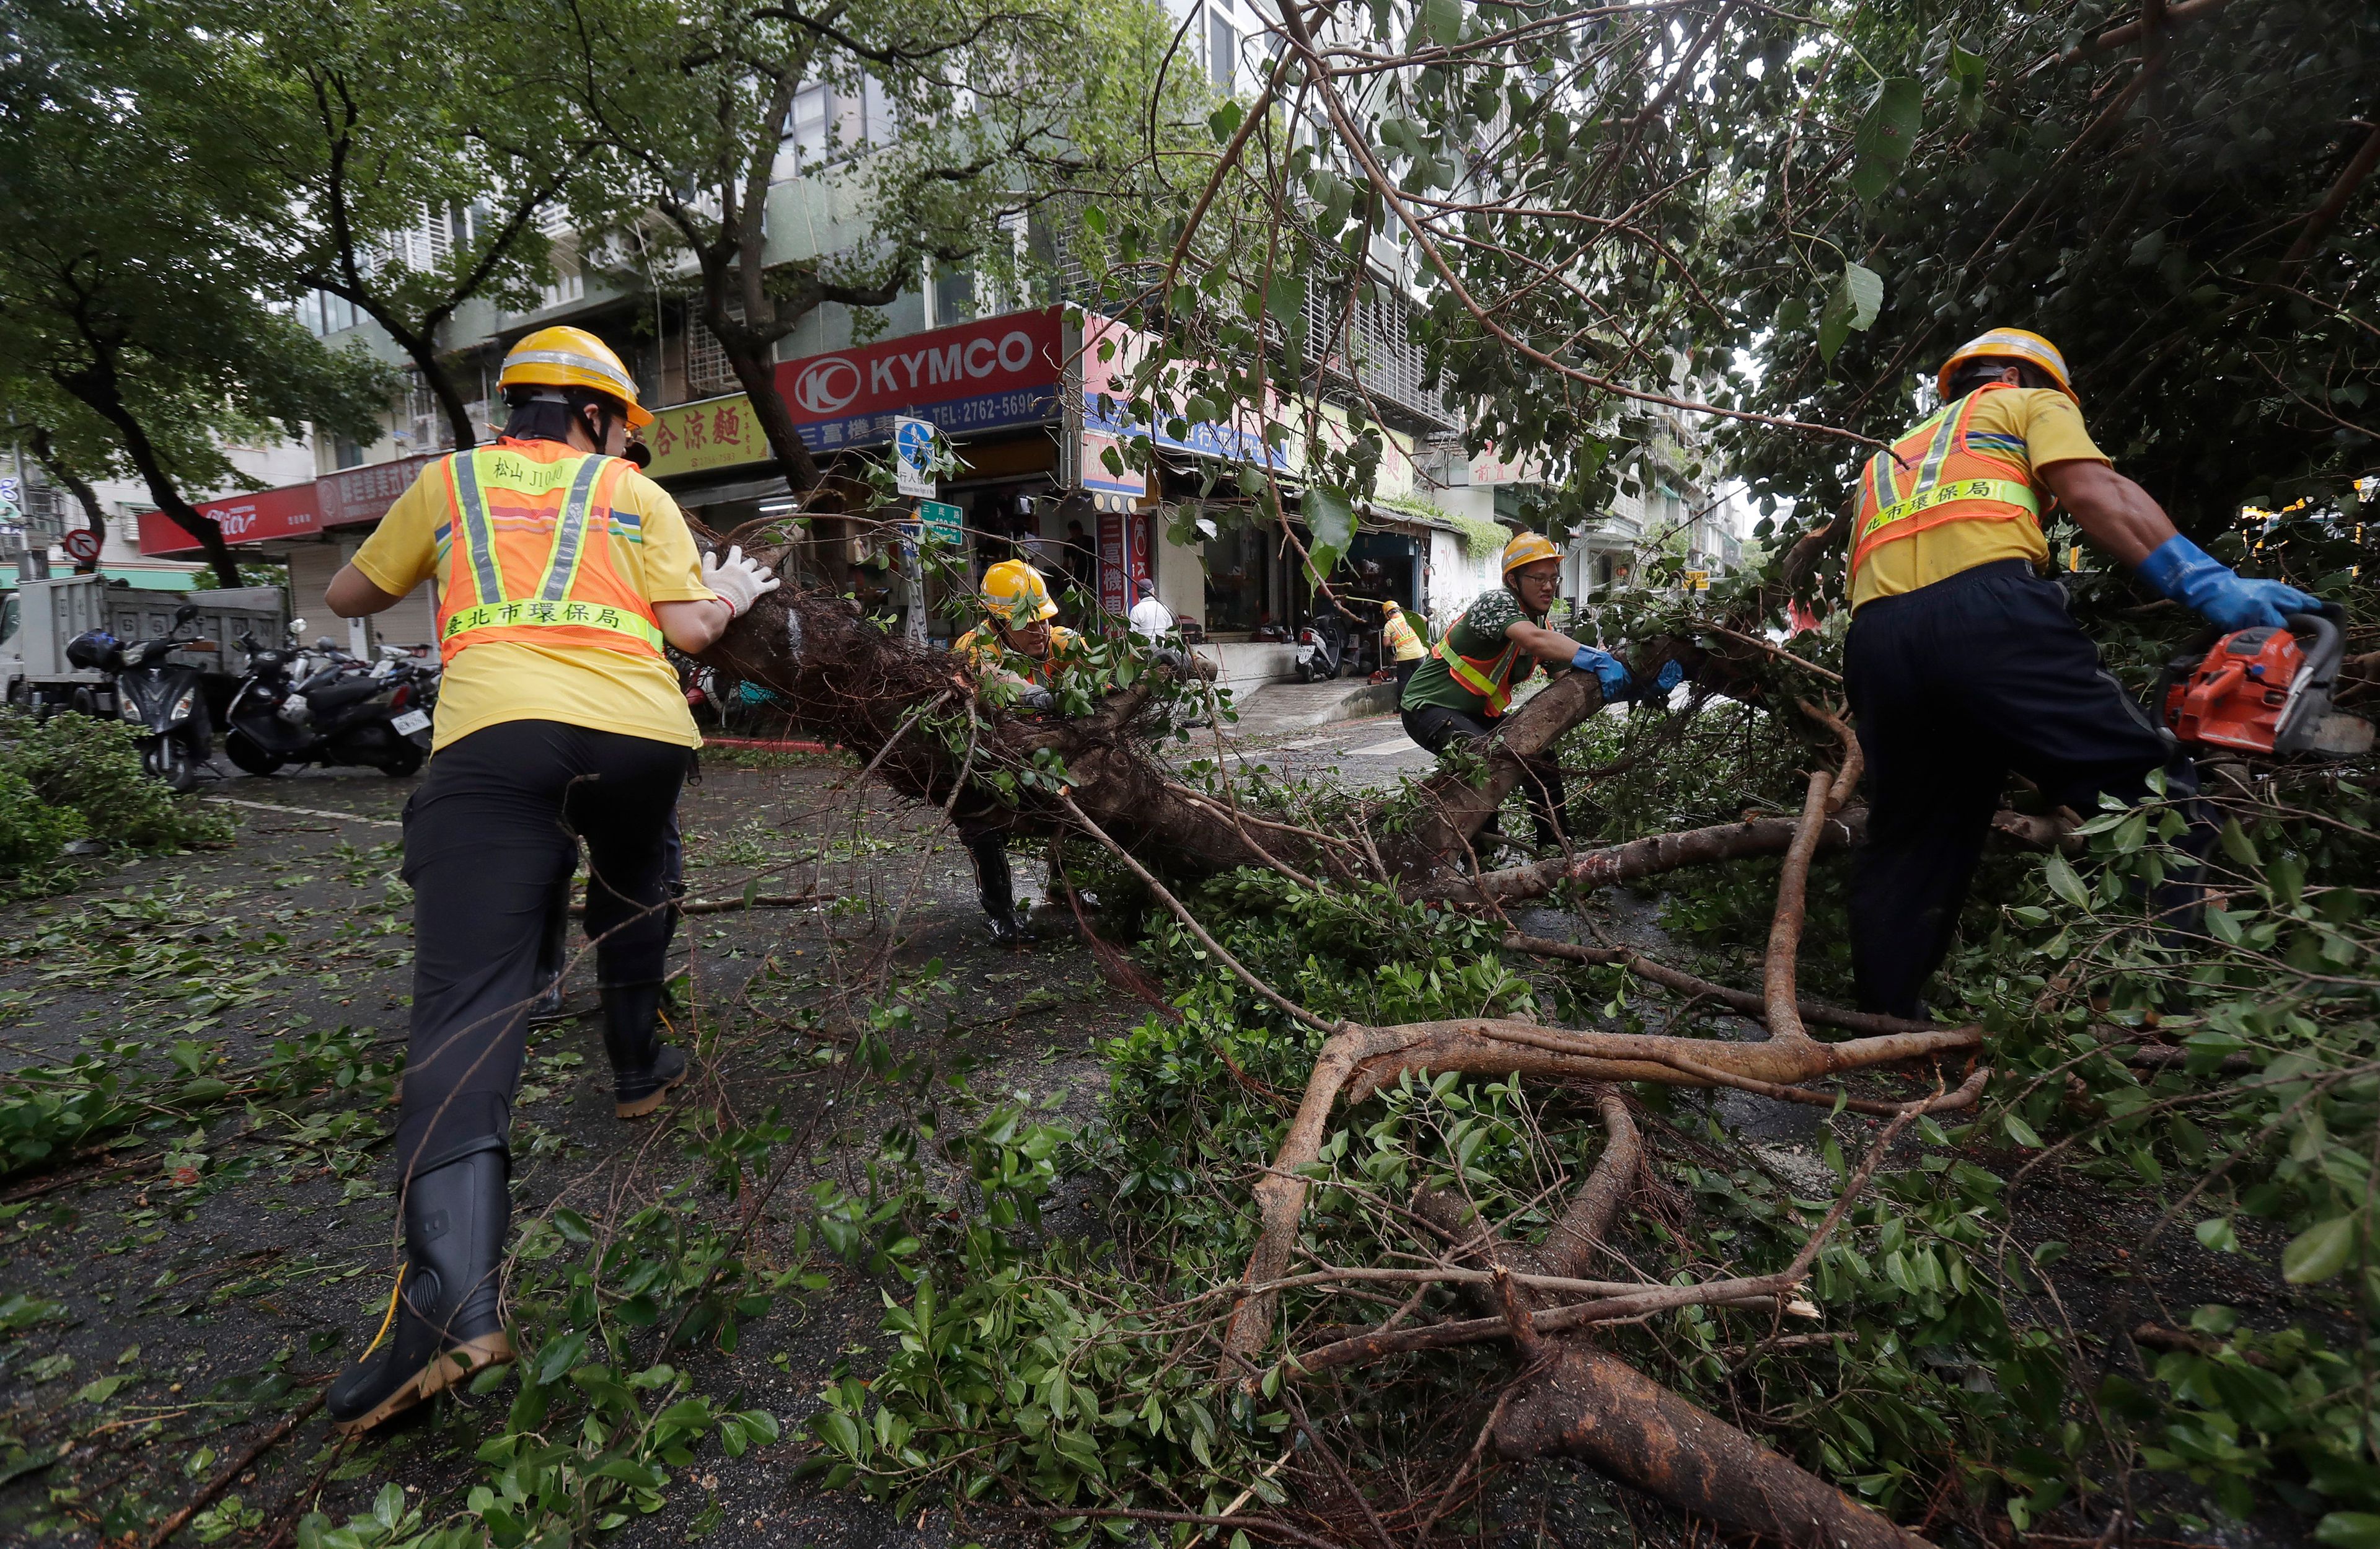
point(581, 686)
point(2031, 426)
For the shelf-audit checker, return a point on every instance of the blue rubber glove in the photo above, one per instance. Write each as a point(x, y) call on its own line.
point(1671, 675)
point(1609, 670)
point(2187, 574)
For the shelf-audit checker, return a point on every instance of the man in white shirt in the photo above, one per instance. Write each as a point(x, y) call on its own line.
point(1148, 616)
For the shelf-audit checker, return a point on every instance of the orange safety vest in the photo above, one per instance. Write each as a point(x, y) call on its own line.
point(1397, 635)
point(530, 556)
point(1932, 476)
point(982, 649)
point(1488, 676)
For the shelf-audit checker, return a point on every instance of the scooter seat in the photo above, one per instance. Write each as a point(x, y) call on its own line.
point(345, 691)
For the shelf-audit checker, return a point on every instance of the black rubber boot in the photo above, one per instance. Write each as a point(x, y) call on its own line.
point(995, 889)
point(643, 1068)
point(444, 1320)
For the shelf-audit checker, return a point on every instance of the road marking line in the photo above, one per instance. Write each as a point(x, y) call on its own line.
point(307, 811)
point(1399, 744)
point(1307, 741)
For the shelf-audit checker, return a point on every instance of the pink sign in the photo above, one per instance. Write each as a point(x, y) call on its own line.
point(359, 495)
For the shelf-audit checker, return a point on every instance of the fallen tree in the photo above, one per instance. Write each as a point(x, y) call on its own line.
point(1107, 789)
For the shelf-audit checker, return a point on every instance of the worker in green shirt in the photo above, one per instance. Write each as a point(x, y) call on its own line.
point(1459, 694)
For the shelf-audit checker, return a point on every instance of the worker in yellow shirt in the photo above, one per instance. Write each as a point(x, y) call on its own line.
point(1401, 642)
point(561, 571)
point(1015, 654)
point(1962, 662)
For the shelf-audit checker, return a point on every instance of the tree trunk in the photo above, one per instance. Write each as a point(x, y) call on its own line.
point(420, 347)
point(95, 388)
point(1599, 1409)
point(841, 676)
point(46, 453)
point(758, 372)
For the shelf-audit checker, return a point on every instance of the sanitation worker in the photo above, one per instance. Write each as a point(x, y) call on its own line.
point(1962, 662)
point(1460, 690)
point(1401, 643)
point(1018, 647)
point(561, 570)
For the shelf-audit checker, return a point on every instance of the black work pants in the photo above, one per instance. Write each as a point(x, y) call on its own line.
point(1954, 685)
point(1437, 728)
point(493, 830)
point(553, 951)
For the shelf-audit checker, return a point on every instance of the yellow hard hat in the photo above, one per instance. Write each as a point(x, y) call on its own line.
point(2009, 344)
point(1528, 548)
point(1014, 594)
point(571, 358)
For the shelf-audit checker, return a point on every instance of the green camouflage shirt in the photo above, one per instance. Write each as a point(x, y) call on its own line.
point(1478, 634)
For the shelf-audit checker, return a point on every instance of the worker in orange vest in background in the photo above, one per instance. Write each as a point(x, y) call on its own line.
point(562, 570)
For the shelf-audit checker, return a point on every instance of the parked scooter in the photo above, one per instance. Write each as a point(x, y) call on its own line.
point(1321, 647)
point(164, 699)
point(342, 712)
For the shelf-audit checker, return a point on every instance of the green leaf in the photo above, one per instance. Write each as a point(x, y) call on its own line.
point(2319, 1253)
point(2215, 1232)
point(2020, 1131)
point(1330, 517)
point(2238, 845)
point(1969, 72)
point(2060, 873)
point(388, 1507)
point(1880, 146)
point(1439, 21)
point(2349, 1529)
point(1850, 306)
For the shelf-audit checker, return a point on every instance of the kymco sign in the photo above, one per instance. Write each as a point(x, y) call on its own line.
point(978, 376)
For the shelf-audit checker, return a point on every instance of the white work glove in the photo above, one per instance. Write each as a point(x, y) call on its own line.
point(738, 582)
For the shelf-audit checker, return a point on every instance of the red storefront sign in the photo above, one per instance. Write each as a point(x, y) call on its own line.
point(288, 512)
point(995, 373)
point(989, 374)
point(347, 498)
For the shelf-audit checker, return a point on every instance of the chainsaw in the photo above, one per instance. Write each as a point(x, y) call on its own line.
point(2264, 690)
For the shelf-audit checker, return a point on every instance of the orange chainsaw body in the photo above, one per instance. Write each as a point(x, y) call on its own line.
point(2264, 690)
point(2235, 698)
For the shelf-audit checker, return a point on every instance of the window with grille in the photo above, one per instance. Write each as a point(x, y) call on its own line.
point(706, 370)
point(1376, 348)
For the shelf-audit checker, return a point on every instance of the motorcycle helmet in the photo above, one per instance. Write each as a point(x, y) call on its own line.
point(93, 649)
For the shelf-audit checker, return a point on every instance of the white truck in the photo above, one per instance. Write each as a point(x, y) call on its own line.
point(39, 618)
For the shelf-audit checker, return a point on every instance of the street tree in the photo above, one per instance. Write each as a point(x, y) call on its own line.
point(136, 294)
point(953, 125)
point(425, 154)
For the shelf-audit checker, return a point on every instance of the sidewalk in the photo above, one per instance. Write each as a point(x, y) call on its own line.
point(1278, 708)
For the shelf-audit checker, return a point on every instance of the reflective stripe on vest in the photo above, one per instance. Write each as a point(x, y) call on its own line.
point(1488, 676)
point(1931, 476)
point(576, 587)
